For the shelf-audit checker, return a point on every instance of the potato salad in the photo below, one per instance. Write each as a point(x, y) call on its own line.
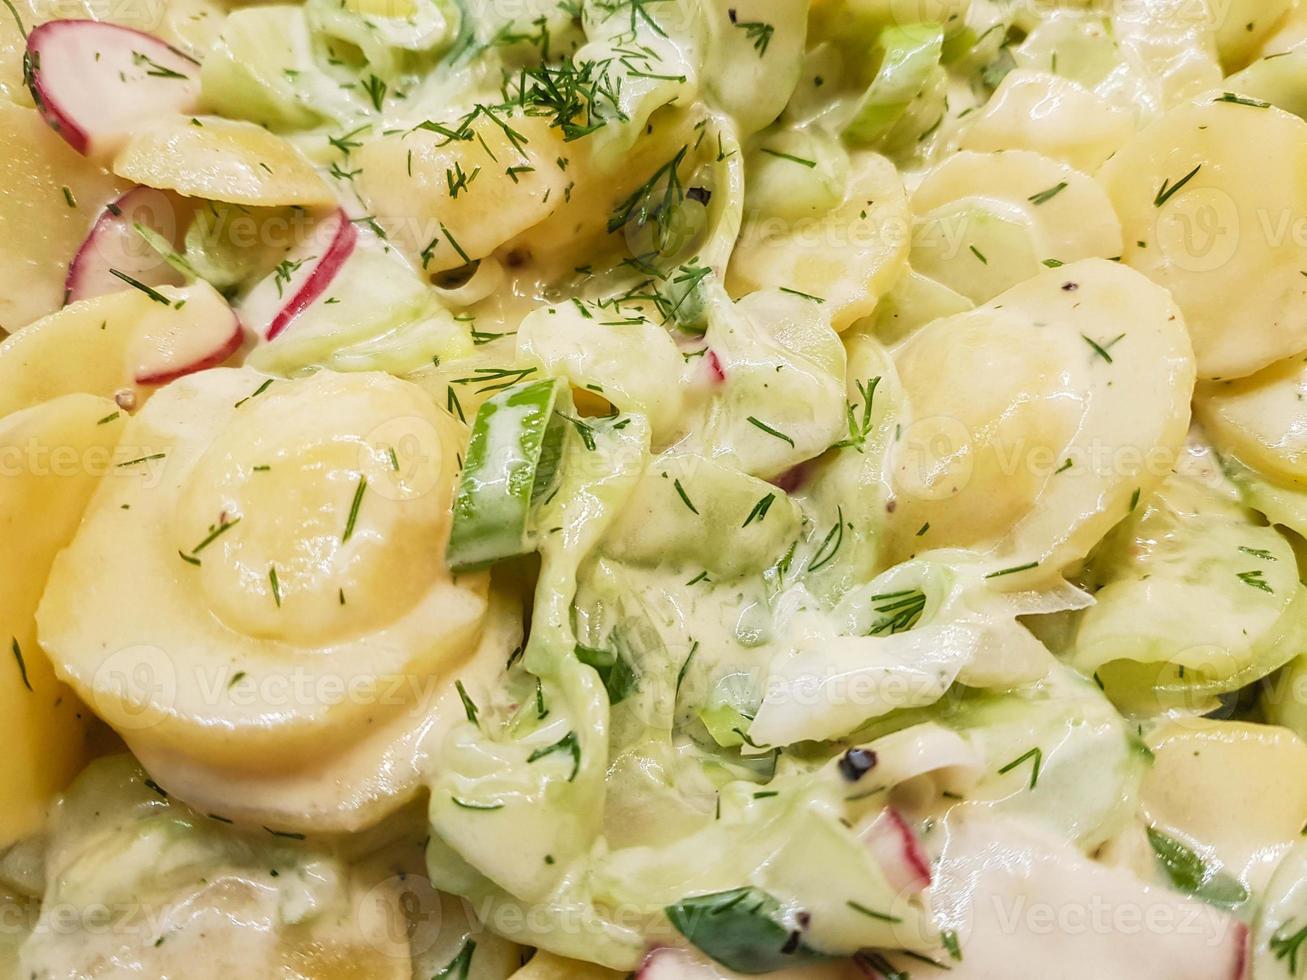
point(653, 489)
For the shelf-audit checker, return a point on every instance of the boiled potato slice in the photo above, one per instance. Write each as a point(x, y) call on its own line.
point(1036, 418)
point(1262, 419)
point(1052, 115)
point(1231, 790)
point(1242, 26)
point(1173, 42)
point(142, 885)
point(547, 966)
point(848, 257)
point(1288, 34)
point(1211, 199)
point(96, 346)
point(405, 180)
point(278, 583)
point(578, 228)
point(988, 221)
point(51, 457)
point(350, 790)
point(1284, 701)
point(1069, 214)
point(50, 195)
point(221, 160)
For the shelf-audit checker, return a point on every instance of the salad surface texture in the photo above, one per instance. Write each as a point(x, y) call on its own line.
point(658, 489)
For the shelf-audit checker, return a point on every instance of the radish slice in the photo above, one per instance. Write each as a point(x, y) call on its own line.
point(898, 852)
point(96, 82)
point(667, 963)
point(301, 278)
point(114, 243)
point(1008, 893)
point(195, 331)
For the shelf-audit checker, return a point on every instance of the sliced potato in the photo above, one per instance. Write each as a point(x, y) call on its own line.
point(1052, 115)
point(1284, 700)
point(547, 966)
point(1225, 788)
point(1071, 216)
point(988, 221)
point(278, 585)
point(141, 885)
point(221, 160)
point(849, 257)
point(1037, 417)
point(51, 458)
point(1213, 199)
point(405, 180)
point(1288, 34)
point(578, 228)
point(50, 195)
point(95, 346)
point(350, 790)
point(1242, 26)
point(1262, 419)
point(1173, 42)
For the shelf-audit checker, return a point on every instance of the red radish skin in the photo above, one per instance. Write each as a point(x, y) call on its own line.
point(196, 332)
point(220, 354)
point(95, 82)
point(1242, 952)
point(715, 366)
point(793, 478)
point(668, 963)
point(898, 852)
point(322, 255)
point(114, 243)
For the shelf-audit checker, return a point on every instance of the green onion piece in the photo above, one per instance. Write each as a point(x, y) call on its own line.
point(742, 929)
point(1190, 873)
point(907, 56)
point(727, 726)
point(512, 458)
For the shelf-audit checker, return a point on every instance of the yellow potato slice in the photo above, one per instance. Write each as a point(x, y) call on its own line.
point(1174, 43)
point(988, 221)
point(1037, 418)
point(849, 257)
point(350, 790)
point(221, 160)
point(1262, 419)
point(41, 226)
point(1212, 199)
point(1231, 790)
point(96, 346)
point(141, 885)
point(547, 966)
point(279, 584)
point(1052, 115)
point(51, 458)
point(1240, 27)
point(404, 179)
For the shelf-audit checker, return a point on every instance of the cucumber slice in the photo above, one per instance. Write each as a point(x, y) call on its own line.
point(261, 68)
point(512, 459)
point(908, 55)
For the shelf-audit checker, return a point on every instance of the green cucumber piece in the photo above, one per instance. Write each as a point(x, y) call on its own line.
point(512, 459)
point(908, 55)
